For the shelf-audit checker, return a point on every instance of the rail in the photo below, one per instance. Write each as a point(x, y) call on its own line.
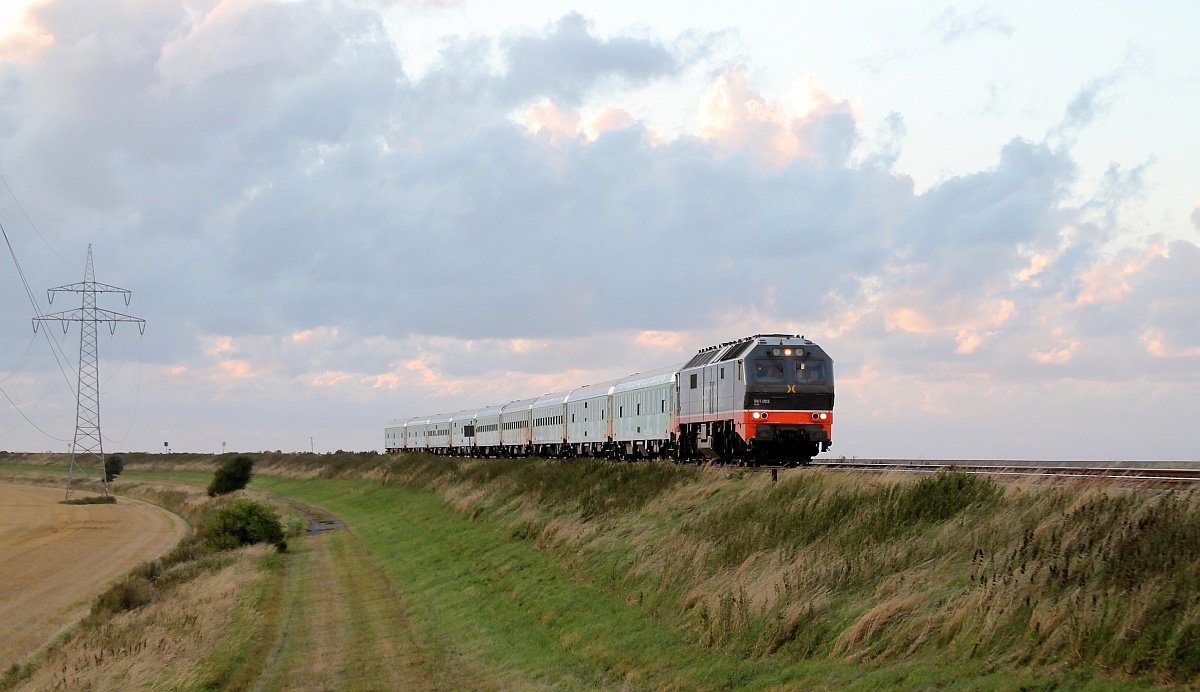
point(1173, 475)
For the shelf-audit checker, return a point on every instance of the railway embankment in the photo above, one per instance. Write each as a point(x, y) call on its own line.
point(592, 574)
point(944, 571)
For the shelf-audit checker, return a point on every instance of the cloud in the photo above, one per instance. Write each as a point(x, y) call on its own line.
point(1089, 103)
point(567, 61)
point(952, 26)
point(739, 119)
point(321, 241)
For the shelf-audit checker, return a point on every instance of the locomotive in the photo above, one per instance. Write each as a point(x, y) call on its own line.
point(767, 398)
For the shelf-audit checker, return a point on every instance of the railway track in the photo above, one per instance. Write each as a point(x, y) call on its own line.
point(1178, 473)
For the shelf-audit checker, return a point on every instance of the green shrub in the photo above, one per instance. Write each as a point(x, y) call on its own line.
point(242, 522)
point(233, 474)
point(113, 466)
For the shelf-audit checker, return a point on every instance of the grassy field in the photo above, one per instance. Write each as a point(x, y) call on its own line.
point(583, 575)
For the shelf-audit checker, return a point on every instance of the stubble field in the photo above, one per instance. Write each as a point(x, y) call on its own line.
point(56, 557)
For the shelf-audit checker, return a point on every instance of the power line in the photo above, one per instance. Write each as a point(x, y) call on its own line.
point(137, 397)
point(28, 419)
point(37, 310)
point(31, 223)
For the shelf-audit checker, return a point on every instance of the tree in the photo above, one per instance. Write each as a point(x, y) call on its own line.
point(233, 474)
point(113, 466)
point(242, 522)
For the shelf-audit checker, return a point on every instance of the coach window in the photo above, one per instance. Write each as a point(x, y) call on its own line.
point(693, 380)
point(810, 371)
point(722, 373)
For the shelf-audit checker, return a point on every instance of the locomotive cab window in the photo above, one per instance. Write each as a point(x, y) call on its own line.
point(768, 370)
point(810, 371)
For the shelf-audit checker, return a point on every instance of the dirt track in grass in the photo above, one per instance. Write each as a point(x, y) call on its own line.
point(57, 557)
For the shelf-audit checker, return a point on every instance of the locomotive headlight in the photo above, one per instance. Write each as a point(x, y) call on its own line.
point(774, 351)
point(756, 415)
point(824, 416)
point(787, 351)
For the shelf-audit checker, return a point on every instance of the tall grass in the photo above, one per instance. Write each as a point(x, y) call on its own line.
point(949, 567)
point(944, 570)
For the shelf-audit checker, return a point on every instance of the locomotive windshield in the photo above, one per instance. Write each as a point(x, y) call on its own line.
point(790, 371)
point(768, 370)
point(810, 371)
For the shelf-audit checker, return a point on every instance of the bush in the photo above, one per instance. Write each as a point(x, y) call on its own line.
point(91, 500)
point(113, 466)
point(130, 593)
point(234, 474)
point(242, 522)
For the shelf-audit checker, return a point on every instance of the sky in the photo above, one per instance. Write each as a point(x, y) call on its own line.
point(335, 213)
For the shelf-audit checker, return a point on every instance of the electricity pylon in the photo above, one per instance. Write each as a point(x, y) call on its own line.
point(88, 442)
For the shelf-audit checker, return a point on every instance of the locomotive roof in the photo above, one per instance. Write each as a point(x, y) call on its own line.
point(733, 349)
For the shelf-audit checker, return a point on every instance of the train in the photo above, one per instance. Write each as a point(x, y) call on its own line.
point(763, 399)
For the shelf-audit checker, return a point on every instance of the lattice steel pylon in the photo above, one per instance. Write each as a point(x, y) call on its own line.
point(88, 445)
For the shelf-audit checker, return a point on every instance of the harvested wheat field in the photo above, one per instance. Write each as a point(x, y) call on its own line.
point(56, 557)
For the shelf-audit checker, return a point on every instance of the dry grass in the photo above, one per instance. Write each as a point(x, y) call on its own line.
point(165, 645)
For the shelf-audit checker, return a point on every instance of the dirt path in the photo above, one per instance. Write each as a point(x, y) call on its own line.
point(345, 628)
point(56, 557)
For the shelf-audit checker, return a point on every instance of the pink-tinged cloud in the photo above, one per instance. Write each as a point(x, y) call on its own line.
point(1110, 281)
point(557, 124)
point(1060, 354)
point(1157, 346)
point(661, 339)
point(737, 118)
point(318, 333)
point(526, 345)
point(241, 369)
